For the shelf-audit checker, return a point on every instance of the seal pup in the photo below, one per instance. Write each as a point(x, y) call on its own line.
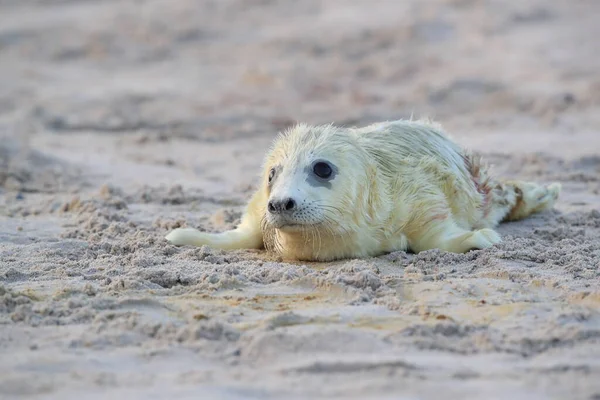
point(331, 192)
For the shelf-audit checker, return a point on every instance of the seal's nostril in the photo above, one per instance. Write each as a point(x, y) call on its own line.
point(290, 204)
point(280, 206)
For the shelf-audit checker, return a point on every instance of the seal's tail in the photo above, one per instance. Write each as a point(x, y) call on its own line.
point(514, 200)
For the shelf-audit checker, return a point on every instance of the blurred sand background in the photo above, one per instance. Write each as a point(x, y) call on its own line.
point(120, 120)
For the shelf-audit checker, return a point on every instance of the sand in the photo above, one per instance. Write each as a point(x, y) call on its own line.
point(120, 120)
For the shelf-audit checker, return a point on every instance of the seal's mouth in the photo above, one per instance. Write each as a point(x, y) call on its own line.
point(291, 223)
point(290, 226)
point(286, 225)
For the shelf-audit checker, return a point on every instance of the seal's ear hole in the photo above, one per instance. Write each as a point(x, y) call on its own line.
point(271, 174)
point(322, 169)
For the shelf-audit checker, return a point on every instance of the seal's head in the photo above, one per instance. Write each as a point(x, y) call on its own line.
point(317, 181)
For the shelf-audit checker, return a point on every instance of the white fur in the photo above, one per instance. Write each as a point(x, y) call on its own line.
point(400, 185)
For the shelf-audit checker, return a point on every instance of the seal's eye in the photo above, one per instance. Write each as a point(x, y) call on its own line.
point(271, 174)
point(322, 170)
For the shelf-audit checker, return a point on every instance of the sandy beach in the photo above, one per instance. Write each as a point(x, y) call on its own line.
point(121, 120)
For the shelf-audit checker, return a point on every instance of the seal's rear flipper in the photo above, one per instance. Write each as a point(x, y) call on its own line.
point(230, 240)
point(531, 198)
point(514, 200)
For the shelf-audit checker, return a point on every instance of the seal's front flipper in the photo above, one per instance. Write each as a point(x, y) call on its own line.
point(236, 239)
point(446, 235)
point(248, 235)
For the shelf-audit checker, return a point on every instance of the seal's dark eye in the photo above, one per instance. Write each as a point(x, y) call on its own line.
point(271, 174)
point(322, 170)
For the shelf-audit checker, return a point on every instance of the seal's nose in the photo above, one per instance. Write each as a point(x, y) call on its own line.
point(281, 206)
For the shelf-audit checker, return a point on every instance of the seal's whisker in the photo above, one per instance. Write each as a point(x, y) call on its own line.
point(320, 241)
point(332, 233)
point(343, 237)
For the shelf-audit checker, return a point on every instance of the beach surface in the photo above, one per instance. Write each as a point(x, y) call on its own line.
point(121, 120)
